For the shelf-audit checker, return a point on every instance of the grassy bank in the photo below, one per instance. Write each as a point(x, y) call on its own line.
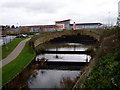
point(11, 46)
point(103, 69)
point(106, 74)
point(10, 70)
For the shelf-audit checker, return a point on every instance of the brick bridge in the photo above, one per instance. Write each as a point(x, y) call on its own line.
point(37, 40)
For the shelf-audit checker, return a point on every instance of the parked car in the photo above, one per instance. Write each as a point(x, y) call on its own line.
point(37, 34)
point(22, 36)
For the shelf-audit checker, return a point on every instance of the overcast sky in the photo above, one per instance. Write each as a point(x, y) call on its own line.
point(37, 12)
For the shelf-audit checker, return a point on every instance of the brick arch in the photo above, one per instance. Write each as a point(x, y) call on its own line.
point(51, 36)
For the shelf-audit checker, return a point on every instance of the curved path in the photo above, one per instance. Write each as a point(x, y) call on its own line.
point(14, 53)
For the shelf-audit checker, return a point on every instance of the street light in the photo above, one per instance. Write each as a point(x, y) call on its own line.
point(109, 24)
point(5, 40)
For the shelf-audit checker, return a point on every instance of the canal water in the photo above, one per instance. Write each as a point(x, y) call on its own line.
point(59, 76)
point(52, 78)
point(56, 78)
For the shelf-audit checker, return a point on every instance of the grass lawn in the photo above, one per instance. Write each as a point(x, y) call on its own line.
point(10, 70)
point(11, 46)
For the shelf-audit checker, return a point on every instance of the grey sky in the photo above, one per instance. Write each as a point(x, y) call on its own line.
point(35, 12)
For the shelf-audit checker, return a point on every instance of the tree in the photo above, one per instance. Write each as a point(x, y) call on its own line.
point(12, 26)
point(3, 27)
point(7, 27)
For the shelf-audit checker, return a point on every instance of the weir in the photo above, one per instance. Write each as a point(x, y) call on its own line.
point(62, 65)
point(65, 52)
point(57, 63)
point(62, 56)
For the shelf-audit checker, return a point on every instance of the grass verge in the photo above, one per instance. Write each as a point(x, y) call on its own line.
point(11, 46)
point(10, 70)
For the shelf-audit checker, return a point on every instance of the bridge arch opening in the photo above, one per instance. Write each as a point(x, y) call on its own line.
point(85, 39)
point(78, 34)
point(52, 36)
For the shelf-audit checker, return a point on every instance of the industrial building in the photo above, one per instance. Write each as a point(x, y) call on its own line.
point(63, 25)
point(86, 25)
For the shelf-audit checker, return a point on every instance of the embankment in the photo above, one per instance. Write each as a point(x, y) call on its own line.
point(103, 69)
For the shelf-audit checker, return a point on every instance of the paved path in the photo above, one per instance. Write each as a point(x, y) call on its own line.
point(14, 53)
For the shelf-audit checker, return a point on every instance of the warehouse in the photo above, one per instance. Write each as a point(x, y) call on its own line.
point(86, 25)
point(63, 25)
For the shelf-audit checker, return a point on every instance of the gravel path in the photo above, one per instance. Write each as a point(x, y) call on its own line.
point(14, 53)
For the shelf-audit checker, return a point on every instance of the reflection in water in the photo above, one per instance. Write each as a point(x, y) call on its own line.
point(52, 78)
point(67, 83)
point(69, 47)
point(20, 80)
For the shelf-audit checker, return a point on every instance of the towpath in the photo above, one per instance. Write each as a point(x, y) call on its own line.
point(14, 53)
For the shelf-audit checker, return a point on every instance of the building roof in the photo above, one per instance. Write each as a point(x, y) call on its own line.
point(62, 21)
point(87, 24)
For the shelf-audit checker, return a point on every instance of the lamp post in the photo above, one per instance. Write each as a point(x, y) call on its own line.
point(84, 23)
point(10, 34)
point(109, 19)
point(5, 40)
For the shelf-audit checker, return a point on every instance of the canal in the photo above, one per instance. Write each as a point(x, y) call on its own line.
point(59, 71)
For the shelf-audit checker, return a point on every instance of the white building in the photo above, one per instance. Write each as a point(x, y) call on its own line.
point(118, 19)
